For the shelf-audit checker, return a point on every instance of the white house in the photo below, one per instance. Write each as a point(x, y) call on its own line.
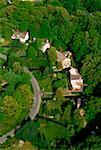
point(64, 60)
point(74, 71)
point(66, 63)
point(67, 54)
point(75, 79)
point(9, 2)
point(46, 46)
point(22, 36)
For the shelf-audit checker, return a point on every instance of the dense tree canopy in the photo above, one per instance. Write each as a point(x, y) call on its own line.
point(69, 25)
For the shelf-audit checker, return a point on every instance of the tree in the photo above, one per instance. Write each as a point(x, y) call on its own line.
point(91, 70)
point(92, 108)
point(72, 5)
point(79, 122)
point(92, 142)
point(52, 55)
point(17, 67)
point(79, 45)
point(52, 132)
point(10, 106)
point(24, 96)
point(60, 93)
point(92, 5)
point(31, 133)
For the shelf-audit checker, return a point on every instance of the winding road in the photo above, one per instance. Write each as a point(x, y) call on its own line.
point(37, 95)
point(35, 107)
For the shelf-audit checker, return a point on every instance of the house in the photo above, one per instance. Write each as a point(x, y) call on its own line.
point(66, 63)
point(63, 59)
point(9, 2)
point(67, 54)
point(22, 36)
point(76, 79)
point(3, 85)
point(46, 46)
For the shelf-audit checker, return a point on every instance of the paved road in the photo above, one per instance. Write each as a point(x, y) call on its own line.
point(37, 95)
point(35, 107)
point(5, 136)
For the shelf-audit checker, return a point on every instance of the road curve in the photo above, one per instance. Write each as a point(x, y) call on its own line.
point(37, 95)
point(35, 107)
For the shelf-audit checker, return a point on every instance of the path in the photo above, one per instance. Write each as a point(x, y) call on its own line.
point(67, 93)
point(37, 95)
point(9, 134)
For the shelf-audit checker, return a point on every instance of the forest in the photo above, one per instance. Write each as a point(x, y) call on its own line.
point(69, 26)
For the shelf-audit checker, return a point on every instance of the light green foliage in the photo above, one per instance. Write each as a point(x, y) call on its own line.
point(24, 96)
point(60, 81)
point(14, 103)
point(35, 56)
point(78, 121)
point(9, 106)
point(17, 67)
point(12, 80)
point(52, 131)
point(60, 93)
point(67, 113)
point(46, 84)
point(52, 55)
point(53, 108)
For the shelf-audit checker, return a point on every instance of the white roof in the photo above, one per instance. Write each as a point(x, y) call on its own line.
point(45, 47)
point(68, 53)
point(73, 71)
point(22, 36)
point(66, 63)
point(77, 84)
